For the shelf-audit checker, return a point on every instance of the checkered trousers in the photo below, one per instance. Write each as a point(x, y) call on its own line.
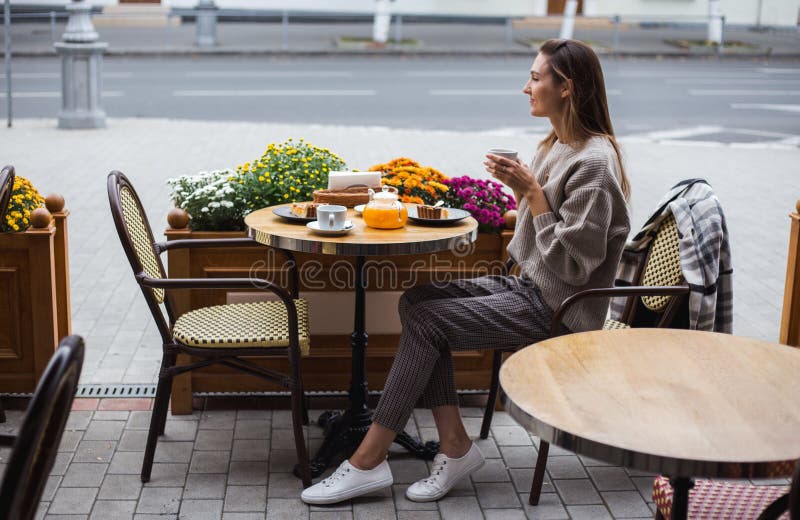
point(487, 313)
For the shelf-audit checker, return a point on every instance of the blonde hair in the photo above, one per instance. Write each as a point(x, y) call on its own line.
point(587, 115)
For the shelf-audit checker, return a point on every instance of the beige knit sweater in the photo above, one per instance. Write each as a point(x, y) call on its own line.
point(579, 243)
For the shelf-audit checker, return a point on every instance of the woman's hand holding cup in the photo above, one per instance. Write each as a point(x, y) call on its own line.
point(504, 165)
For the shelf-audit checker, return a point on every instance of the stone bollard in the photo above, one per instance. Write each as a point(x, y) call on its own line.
point(81, 71)
point(206, 22)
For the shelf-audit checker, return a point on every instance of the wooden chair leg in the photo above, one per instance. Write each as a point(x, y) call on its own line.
point(2, 413)
point(298, 409)
point(158, 419)
point(492, 399)
point(305, 410)
point(538, 473)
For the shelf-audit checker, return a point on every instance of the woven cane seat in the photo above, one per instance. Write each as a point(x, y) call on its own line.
point(139, 234)
point(242, 325)
point(720, 500)
point(614, 324)
point(663, 265)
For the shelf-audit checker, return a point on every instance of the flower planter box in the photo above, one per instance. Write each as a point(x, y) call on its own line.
point(34, 301)
point(327, 282)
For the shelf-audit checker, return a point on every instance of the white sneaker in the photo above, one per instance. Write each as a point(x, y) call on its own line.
point(445, 474)
point(348, 482)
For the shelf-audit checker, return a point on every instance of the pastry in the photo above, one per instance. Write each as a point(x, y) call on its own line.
point(431, 212)
point(304, 209)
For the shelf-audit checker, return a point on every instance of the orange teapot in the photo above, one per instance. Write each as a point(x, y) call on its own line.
point(384, 209)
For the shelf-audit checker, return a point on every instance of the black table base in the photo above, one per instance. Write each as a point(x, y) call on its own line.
point(345, 431)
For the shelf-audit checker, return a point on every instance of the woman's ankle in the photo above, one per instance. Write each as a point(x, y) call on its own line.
point(455, 449)
point(363, 462)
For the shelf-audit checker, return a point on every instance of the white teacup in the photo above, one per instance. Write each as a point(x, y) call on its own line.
point(331, 217)
point(504, 152)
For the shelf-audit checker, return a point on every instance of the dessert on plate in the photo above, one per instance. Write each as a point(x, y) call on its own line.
point(431, 212)
point(304, 209)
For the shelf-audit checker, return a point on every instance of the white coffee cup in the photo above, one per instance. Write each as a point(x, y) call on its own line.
point(504, 152)
point(331, 217)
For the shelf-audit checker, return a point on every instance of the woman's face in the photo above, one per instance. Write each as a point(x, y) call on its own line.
point(547, 96)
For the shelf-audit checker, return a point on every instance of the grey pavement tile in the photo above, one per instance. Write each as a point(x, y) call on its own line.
point(173, 451)
point(264, 414)
point(549, 507)
point(371, 507)
point(519, 456)
point(282, 461)
point(160, 500)
point(331, 515)
point(638, 473)
point(154, 517)
point(488, 447)
point(511, 436)
point(242, 516)
point(577, 492)
point(120, 487)
point(50, 487)
point(210, 462)
point(179, 430)
point(645, 487)
point(201, 510)
point(72, 501)
point(282, 439)
point(589, 513)
point(247, 473)
point(61, 463)
point(132, 440)
point(408, 471)
point(251, 449)
point(418, 515)
point(282, 508)
point(404, 504)
point(110, 415)
point(113, 510)
point(565, 467)
point(460, 508)
point(497, 495)
point(610, 478)
point(66, 517)
point(500, 418)
point(205, 485)
point(504, 514)
point(246, 498)
point(104, 430)
point(78, 420)
point(281, 418)
point(126, 462)
point(424, 418)
point(217, 419)
point(588, 461)
point(493, 471)
point(284, 485)
point(472, 425)
point(84, 474)
point(95, 451)
point(138, 420)
point(626, 504)
point(252, 429)
point(70, 440)
point(214, 440)
point(168, 475)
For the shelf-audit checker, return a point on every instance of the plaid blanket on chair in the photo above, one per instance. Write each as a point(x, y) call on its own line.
point(704, 249)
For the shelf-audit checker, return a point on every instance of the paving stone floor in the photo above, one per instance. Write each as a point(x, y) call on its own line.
point(235, 464)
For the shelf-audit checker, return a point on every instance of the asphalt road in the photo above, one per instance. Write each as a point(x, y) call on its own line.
point(729, 101)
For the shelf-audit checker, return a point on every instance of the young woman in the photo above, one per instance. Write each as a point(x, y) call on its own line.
point(571, 227)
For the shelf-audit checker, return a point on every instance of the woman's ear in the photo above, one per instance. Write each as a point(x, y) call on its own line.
point(566, 88)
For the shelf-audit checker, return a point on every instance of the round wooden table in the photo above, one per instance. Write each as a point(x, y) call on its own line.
point(344, 432)
point(681, 403)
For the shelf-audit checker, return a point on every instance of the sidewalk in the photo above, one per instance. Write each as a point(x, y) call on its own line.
point(34, 39)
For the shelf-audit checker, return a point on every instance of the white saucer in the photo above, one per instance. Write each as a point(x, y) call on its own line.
point(359, 209)
point(314, 226)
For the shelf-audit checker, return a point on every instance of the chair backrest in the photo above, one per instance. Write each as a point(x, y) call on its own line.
point(137, 240)
point(36, 444)
point(7, 177)
point(663, 265)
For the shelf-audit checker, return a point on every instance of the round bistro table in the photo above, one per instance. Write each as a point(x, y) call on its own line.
point(344, 432)
point(681, 403)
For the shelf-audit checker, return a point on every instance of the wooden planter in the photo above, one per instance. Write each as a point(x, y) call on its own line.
point(34, 301)
point(327, 283)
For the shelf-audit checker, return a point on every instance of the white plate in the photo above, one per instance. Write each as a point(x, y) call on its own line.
point(314, 226)
point(359, 209)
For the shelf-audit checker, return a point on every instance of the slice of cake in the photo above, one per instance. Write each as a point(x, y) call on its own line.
point(304, 209)
point(431, 212)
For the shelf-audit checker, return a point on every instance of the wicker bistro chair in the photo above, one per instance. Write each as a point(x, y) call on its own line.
point(716, 499)
point(35, 446)
point(6, 188)
point(657, 299)
point(223, 334)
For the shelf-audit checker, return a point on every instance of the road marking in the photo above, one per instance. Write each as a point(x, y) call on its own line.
point(269, 74)
point(719, 81)
point(272, 93)
point(678, 133)
point(769, 70)
point(523, 74)
point(766, 106)
point(492, 92)
point(56, 75)
point(683, 74)
point(734, 92)
point(54, 94)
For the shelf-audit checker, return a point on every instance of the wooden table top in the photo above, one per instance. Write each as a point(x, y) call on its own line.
point(683, 403)
point(272, 230)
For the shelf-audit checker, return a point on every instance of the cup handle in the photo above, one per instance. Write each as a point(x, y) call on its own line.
point(330, 220)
